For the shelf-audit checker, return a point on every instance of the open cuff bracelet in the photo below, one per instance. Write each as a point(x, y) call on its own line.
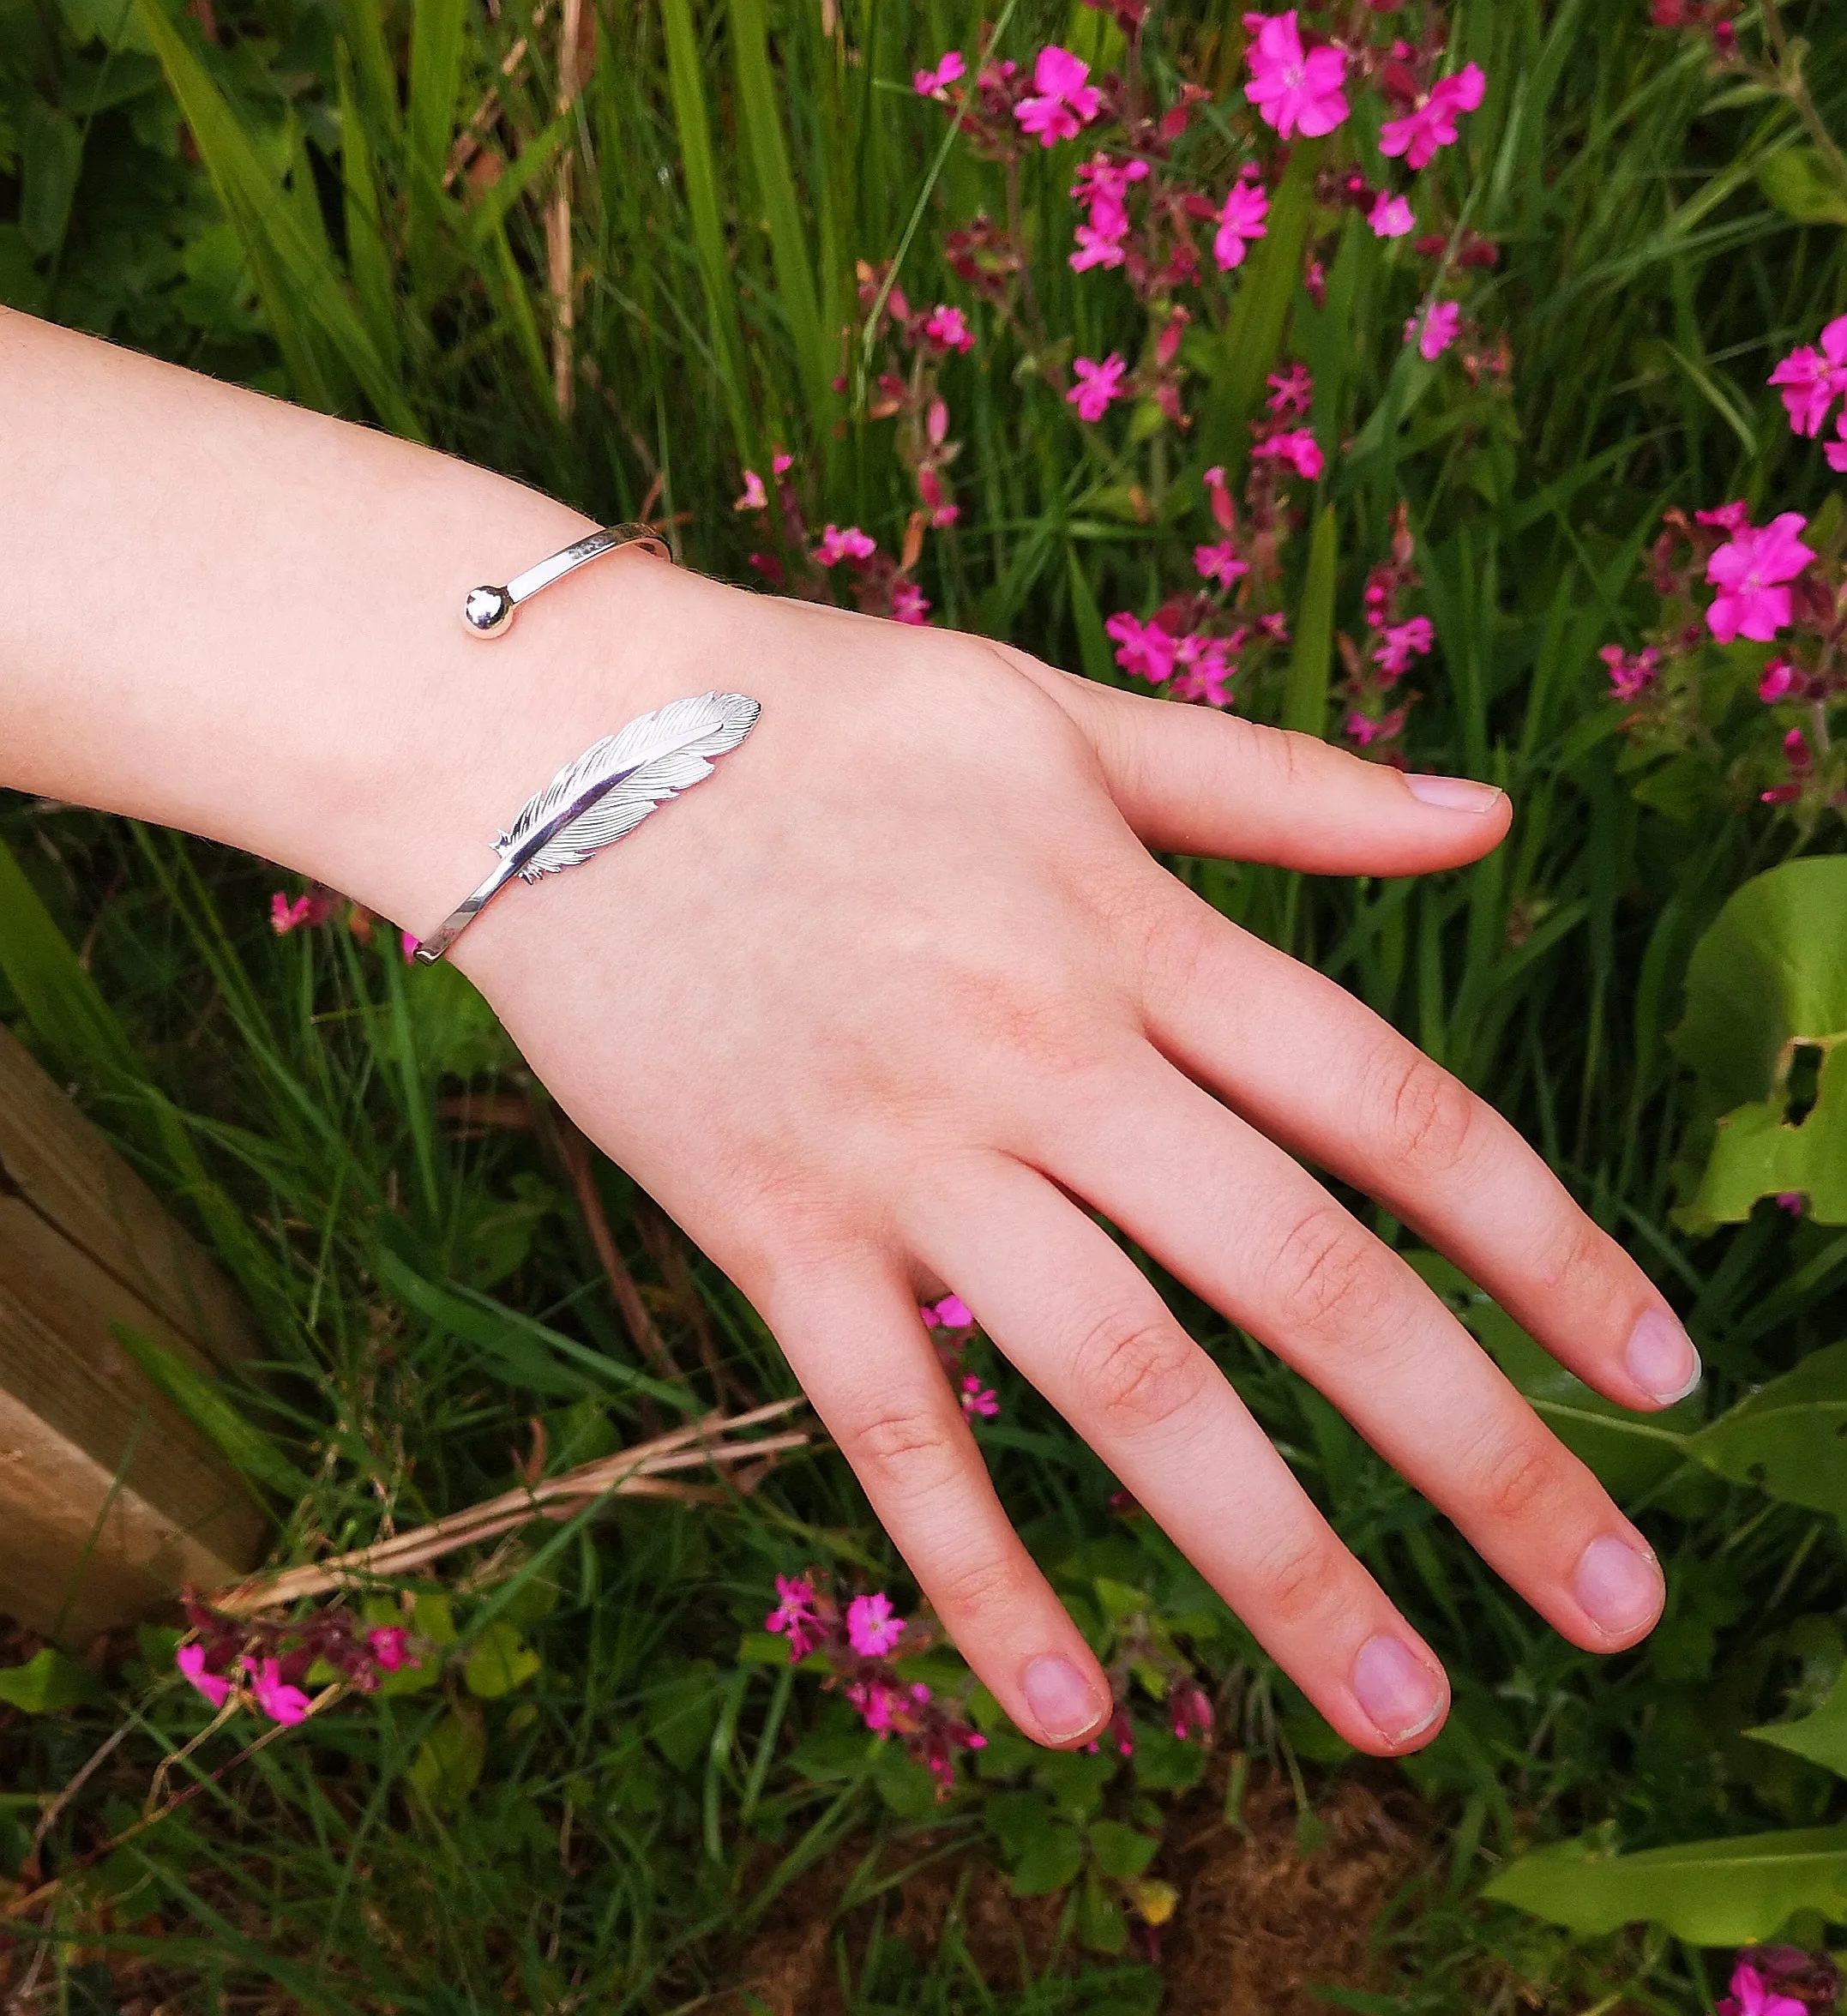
point(613, 786)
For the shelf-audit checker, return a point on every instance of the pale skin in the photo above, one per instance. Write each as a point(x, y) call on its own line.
point(876, 1011)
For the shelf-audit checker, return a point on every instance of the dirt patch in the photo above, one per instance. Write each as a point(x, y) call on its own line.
point(1258, 1922)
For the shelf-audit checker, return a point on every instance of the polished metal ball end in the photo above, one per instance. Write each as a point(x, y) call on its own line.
point(487, 611)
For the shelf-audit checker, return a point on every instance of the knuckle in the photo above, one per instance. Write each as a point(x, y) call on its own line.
point(1575, 1255)
point(1328, 1278)
point(1429, 1117)
point(1520, 1477)
point(979, 1587)
point(1301, 1578)
point(903, 1436)
point(1137, 1374)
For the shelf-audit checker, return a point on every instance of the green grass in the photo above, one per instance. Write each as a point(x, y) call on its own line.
point(652, 1788)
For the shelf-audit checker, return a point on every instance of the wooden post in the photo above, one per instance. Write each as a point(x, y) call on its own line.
point(110, 1500)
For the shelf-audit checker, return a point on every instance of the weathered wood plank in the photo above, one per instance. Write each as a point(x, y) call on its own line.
point(109, 1498)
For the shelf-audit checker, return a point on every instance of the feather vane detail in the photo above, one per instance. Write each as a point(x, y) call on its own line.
point(617, 782)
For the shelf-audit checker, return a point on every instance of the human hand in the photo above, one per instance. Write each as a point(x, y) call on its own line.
point(879, 1009)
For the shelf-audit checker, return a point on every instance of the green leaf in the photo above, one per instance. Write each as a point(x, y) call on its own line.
point(1101, 1924)
point(1788, 1438)
point(499, 1661)
point(1708, 1892)
point(49, 1683)
point(201, 1400)
point(1311, 664)
point(1769, 978)
point(447, 1766)
point(907, 1789)
point(52, 159)
point(1799, 183)
point(681, 1714)
point(1121, 1851)
point(1821, 1738)
point(1050, 1862)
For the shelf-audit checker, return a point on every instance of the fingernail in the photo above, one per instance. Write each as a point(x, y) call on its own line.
point(1618, 1585)
point(1062, 1699)
point(1455, 794)
point(1662, 1359)
point(1402, 1697)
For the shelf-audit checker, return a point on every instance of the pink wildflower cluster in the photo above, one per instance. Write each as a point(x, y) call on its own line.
point(1782, 1981)
point(878, 585)
point(1396, 641)
point(264, 1664)
point(860, 1640)
point(1811, 380)
point(1723, 579)
point(1144, 213)
point(317, 905)
point(1142, 1651)
point(954, 1325)
point(1714, 19)
point(1232, 624)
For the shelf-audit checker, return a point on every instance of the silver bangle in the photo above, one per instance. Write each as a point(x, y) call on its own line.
point(489, 612)
point(613, 786)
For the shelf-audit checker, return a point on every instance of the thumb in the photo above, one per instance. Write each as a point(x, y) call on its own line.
point(1192, 780)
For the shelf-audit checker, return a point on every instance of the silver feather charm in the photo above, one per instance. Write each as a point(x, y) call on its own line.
point(605, 794)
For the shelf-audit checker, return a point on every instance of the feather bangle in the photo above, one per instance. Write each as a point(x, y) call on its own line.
point(604, 795)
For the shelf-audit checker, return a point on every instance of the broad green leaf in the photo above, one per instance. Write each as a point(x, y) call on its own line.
point(201, 1399)
point(906, 1788)
point(1787, 1437)
point(1799, 183)
point(51, 157)
point(1049, 1864)
point(1821, 1737)
point(1121, 1851)
point(1101, 1924)
point(1708, 1892)
point(1630, 1453)
point(683, 1713)
point(49, 1683)
point(449, 1764)
point(499, 1661)
point(1769, 978)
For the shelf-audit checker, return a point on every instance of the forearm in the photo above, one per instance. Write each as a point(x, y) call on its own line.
point(232, 616)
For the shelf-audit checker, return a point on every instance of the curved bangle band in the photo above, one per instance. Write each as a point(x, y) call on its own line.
point(489, 612)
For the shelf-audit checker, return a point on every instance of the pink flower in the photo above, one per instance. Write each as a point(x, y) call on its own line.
point(390, 1645)
point(1731, 517)
point(795, 1616)
point(190, 1660)
point(1630, 677)
point(781, 464)
point(1432, 123)
point(946, 329)
point(1750, 1995)
point(1793, 1202)
point(1836, 451)
point(1361, 728)
point(1779, 675)
point(934, 83)
point(1391, 216)
point(871, 1629)
point(1093, 249)
point(1297, 447)
point(1145, 650)
point(755, 497)
point(978, 1398)
point(1291, 392)
point(1749, 572)
point(1219, 563)
point(1812, 381)
point(837, 545)
point(1190, 1707)
point(1102, 186)
point(1203, 669)
point(1097, 384)
point(952, 1313)
point(1436, 331)
point(1224, 512)
point(1294, 92)
point(909, 604)
point(407, 944)
point(1400, 643)
point(279, 1702)
point(1246, 207)
point(1065, 104)
point(285, 916)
